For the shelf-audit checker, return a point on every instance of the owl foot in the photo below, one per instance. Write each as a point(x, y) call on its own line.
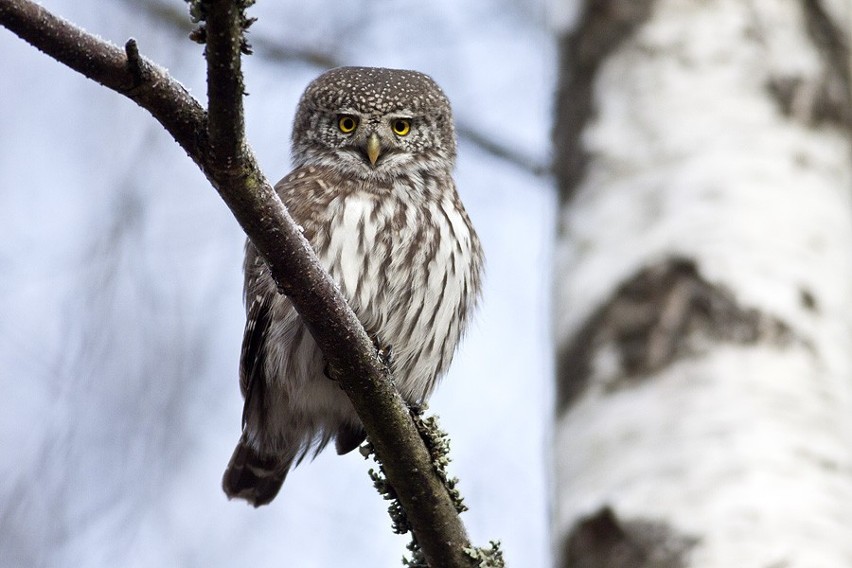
point(330, 373)
point(386, 355)
point(385, 352)
point(417, 409)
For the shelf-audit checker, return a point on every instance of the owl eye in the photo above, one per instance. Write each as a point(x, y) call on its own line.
point(347, 123)
point(401, 126)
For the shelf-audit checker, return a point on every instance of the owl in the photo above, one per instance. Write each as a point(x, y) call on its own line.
point(372, 190)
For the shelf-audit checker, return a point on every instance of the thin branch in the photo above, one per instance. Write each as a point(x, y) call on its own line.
point(226, 125)
point(509, 154)
point(256, 206)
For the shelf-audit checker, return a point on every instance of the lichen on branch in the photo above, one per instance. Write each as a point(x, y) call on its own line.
point(437, 442)
point(198, 11)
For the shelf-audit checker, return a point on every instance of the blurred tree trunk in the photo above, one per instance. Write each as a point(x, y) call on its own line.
point(704, 285)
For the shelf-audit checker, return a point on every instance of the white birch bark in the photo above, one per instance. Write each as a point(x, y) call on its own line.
point(704, 286)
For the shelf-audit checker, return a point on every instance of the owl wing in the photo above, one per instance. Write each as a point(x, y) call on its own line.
point(252, 475)
point(252, 369)
point(259, 296)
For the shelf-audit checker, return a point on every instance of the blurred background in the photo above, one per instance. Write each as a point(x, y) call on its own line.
point(120, 294)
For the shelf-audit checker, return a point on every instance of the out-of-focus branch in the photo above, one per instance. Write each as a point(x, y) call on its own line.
point(509, 154)
point(219, 149)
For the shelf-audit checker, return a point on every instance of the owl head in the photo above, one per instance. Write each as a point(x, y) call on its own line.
point(374, 123)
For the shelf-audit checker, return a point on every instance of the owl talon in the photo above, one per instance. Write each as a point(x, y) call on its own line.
point(417, 408)
point(385, 352)
point(386, 355)
point(330, 374)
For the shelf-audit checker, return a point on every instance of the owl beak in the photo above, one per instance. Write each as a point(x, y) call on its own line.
point(374, 148)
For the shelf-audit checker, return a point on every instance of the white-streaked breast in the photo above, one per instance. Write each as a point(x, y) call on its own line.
point(345, 256)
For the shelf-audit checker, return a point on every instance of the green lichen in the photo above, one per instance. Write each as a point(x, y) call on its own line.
point(491, 557)
point(198, 11)
point(198, 15)
point(380, 482)
point(417, 559)
point(438, 444)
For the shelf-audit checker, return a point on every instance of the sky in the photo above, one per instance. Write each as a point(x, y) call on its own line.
point(120, 296)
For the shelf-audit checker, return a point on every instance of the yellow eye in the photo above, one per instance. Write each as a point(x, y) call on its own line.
point(347, 123)
point(401, 126)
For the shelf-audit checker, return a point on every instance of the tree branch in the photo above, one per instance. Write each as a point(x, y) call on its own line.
point(227, 161)
point(226, 125)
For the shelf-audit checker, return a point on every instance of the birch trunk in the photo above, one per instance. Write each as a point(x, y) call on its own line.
point(704, 286)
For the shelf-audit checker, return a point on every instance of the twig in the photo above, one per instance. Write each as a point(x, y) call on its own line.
point(510, 154)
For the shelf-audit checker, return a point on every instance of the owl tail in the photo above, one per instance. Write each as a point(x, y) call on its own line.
point(255, 477)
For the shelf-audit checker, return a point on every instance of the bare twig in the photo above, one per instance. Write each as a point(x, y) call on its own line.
point(510, 154)
point(230, 166)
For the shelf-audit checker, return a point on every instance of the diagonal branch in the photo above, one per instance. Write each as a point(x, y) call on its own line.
point(227, 161)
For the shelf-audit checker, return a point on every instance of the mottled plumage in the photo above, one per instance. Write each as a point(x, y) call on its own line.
point(373, 151)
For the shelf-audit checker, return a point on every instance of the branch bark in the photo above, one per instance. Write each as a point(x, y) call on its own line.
point(217, 145)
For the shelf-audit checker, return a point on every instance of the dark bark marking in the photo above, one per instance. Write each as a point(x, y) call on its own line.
point(828, 100)
point(808, 300)
point(659, 315)
point(602, 540)
point(603, 27)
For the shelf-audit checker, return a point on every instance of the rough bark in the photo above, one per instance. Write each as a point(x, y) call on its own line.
point(704, 286)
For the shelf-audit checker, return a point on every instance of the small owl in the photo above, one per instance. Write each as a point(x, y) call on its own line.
point(372, 189)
